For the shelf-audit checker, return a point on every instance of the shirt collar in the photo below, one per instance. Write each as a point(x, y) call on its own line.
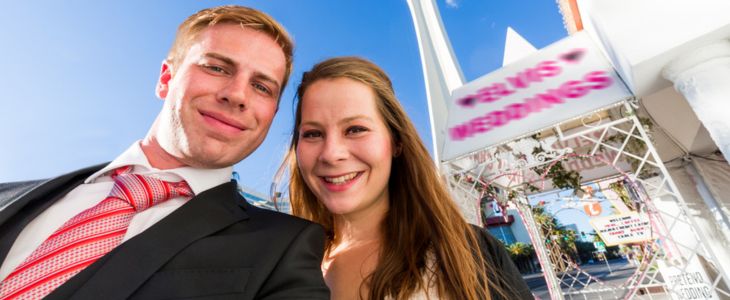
point(199, 180)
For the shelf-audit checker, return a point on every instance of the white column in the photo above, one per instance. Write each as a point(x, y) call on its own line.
point(703, 77)
point(441, 70)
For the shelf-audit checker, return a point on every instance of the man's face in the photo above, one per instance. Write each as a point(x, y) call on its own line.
point(220, 98)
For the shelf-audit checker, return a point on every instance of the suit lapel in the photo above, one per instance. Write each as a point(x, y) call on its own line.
point(54, 187)
point(27, 207)
point(124, 270)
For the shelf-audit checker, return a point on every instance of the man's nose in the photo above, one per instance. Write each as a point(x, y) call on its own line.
point(235, 92)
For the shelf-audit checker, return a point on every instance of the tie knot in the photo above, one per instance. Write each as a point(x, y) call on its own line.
point(143, 192)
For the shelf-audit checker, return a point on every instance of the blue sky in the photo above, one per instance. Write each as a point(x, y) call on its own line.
point(78, 76)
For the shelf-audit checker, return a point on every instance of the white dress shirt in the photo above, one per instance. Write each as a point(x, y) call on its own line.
point(96, 188)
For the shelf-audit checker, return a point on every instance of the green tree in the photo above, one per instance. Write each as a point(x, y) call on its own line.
point(522, 255)
point(553, 231)
point(519, 249)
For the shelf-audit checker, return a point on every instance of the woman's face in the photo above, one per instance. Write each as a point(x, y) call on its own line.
point(345, 149)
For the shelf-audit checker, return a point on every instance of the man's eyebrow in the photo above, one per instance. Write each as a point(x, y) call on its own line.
point(269, 79)
point(221, 57)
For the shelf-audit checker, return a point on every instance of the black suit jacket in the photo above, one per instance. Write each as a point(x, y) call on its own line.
point(216, 246)
point(501, 269)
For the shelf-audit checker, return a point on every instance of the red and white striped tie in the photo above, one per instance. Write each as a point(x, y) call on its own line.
point(88, 236)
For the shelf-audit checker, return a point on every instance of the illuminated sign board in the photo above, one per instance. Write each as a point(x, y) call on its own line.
point(622, 229)
point(564, 80)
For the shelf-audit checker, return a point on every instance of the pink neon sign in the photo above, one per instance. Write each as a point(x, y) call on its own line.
point(571, 89)
point(562, 81)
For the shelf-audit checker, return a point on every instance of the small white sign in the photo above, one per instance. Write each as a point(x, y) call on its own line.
point(496, 209)
point(687, 282)
point(622, 229)
point(564, 80)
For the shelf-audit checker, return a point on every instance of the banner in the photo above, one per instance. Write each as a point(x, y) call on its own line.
point(564, 80)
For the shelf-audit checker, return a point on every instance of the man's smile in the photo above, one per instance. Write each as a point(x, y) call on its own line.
point(222, 122)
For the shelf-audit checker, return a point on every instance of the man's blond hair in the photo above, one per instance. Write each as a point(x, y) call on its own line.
point(247, 17)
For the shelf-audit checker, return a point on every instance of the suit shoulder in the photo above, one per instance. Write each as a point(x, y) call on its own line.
point(19, 187)
point(491, 249)
point(279, 218)
point(9, 191)
point(485, 237)
point(504, 271)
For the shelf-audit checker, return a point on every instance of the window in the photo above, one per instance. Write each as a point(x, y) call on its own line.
point(503, 233)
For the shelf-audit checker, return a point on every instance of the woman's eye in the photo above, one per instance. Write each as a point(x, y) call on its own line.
point(356, 129)
point(309, 134)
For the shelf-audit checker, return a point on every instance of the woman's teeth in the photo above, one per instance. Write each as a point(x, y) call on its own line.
point(341, 179)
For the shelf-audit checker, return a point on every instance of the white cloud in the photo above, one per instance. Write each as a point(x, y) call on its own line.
point(452, 3)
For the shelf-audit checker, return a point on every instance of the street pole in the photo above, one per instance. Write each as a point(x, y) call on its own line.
point(605, 258)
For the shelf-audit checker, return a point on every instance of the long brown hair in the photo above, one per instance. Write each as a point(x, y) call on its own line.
point(422, 219)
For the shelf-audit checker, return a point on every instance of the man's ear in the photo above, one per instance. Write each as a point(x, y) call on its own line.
point(163, 82)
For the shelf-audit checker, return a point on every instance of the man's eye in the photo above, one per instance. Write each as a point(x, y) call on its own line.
point(309, 134)
point(262, 88)
point(356, 129)
point(215, 69)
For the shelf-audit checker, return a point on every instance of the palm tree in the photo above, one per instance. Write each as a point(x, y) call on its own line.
point(561, 241)
point(521, 255)
point(518, 250)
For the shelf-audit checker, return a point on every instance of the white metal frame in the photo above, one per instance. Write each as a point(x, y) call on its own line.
point(571, 281)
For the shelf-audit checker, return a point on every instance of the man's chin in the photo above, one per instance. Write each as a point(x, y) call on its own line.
point(212, 159)
point(210, 164)
point(214, 154)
